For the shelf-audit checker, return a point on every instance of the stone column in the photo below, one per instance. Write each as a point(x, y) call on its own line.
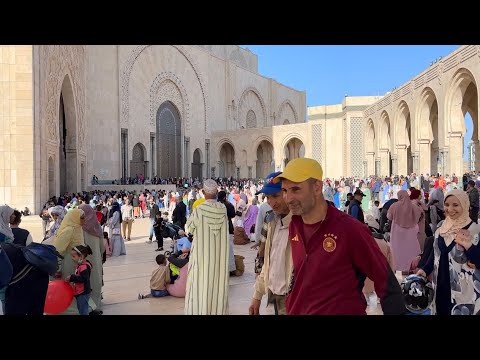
point(186, 140)
point(370, 164)
point(447, 167)
point(377, 167)
point(416, 163)
point(395, 166)
point(402, 160)
point(476, 151)
point(153, 157)
point(456, 154)
point(207, 158)
point(384, 162)
point(425, 157)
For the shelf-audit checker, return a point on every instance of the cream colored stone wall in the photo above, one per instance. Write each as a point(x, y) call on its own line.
point(103, 112)
point(60, 69)
point(212, 95)
point(16, 127)
point(235, 54)
point(334, 159)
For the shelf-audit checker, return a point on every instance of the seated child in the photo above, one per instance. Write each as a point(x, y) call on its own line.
point(160, 278)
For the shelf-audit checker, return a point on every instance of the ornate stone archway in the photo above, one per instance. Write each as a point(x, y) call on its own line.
point(227, 164)
point(138, 164)
point(264, 159)
point(168, 141)
point(197, 165)
point(370, 139)
point(125, 81)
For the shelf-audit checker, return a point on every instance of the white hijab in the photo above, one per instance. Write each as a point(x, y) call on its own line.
point(5, 213)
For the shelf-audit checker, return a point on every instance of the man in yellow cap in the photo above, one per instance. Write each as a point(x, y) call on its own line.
point(332, 252)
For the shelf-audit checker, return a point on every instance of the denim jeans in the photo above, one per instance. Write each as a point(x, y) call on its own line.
point(152, 221)
point(158, 293)
point(82, 303)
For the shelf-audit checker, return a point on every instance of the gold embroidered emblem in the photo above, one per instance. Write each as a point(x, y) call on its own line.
point(329, 243)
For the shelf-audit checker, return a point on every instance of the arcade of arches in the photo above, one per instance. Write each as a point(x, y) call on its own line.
point(426, 134)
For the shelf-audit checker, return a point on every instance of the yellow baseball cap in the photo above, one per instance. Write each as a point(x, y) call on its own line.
point(301, 169)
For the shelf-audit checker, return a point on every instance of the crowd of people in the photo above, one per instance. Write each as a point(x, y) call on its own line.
point(324, 246)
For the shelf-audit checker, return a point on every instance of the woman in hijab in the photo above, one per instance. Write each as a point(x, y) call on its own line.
point(6, 216)
point(57, 213)
point(455, 260)
point(240, 208)
point(251, 216)
point(416, 197)
point(114, 224)
point(93, 235)
point(366, 199)
point(69, 235)
point(371, 222)
point(6, 237)
point(404, 229)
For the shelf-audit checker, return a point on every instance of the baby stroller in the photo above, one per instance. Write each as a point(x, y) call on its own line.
point(171, 231)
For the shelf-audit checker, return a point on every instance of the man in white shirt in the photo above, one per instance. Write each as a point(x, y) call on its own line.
point(274, 279)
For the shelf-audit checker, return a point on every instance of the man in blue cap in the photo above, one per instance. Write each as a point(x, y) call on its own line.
point(274, 279)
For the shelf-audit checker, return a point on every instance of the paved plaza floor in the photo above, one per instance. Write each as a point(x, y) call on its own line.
point(126, 276)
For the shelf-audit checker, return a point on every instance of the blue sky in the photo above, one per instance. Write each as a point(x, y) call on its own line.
point(328, 72)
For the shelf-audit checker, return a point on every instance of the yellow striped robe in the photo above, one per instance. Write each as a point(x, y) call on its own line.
point(208, 276)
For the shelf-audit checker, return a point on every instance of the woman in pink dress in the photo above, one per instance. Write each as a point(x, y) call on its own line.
point(404, 217)
point(143, 203)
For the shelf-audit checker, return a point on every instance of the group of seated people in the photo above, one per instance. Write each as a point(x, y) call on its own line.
point(170, 277)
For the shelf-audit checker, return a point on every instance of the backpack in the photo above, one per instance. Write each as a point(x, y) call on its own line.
point(41, 256)
point(7, 269)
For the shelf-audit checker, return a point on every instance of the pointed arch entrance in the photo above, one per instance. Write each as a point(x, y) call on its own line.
point(294, 149)
point(461, 99)
point(264, 159)
point(68, 146)
point(197, 165)
point(168, 141)
point(137, 164)
point(227, 161)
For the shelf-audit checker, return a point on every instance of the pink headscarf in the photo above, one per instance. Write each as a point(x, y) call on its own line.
point(91, 225)
point(403, 212)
